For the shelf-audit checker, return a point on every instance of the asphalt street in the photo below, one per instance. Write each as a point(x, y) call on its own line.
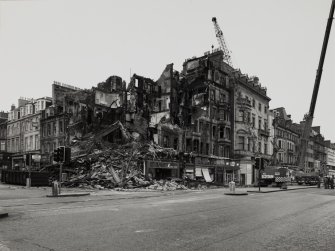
point(193, 220)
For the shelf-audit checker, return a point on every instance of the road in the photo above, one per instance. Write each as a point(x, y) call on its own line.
point(197, 220)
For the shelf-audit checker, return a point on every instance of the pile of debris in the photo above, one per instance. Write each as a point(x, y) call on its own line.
point(102, 165)
point(167, 185)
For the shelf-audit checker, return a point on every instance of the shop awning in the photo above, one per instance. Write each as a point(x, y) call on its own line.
point(206, 174)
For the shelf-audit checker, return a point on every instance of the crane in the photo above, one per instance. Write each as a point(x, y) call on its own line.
point(222, 43)
point(308, 119)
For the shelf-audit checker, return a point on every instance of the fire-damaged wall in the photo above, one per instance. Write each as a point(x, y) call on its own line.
point(207, 106)
point(152, 106)
point(206, 116)
point(140, 94)
point(90, 110)
point(59, 91)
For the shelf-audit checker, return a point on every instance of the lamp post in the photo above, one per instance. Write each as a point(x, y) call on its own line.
point(257, 156)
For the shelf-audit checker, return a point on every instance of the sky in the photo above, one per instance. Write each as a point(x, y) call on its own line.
point(83, 42)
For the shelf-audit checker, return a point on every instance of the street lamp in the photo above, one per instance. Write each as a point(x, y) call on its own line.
point(258, 164)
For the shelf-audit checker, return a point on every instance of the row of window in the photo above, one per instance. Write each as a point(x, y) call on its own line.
point(219, 131)
point(247, 144)
point(286, 135)
point(26, 110)
point(13, 129)
point(220, 114)
point(261, 107)
point(29, 143)
point(286, 145)
point(247, 117)
point(218, 95)
point(49, 147)
point(27, 126)
point(286, 158)
point(53, 128)
point(204, 148)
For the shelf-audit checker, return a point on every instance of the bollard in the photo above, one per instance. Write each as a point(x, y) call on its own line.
point(55, 188)
point(232, 186)
point(284, 186)
point(28, 182)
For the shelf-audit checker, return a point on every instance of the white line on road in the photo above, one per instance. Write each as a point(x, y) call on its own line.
point(145, 230)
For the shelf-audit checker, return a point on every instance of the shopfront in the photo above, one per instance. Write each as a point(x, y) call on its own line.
point(206, 172)
point(218, 170)
point(23, 161)
point(162, 169)
point(5, 160)
point(227, 170)
point(18, 162)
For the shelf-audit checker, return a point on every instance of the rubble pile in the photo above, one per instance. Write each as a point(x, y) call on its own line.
point(103, 165)
point(167, 185)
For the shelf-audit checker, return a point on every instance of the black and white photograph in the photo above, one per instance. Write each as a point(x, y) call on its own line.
point(163, 125)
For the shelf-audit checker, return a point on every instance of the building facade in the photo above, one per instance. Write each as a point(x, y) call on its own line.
point(286, 140)
point(23, 132)
point(319, 149)
point(207, 117)
point(330, 162)
point(252, 131)
point(54, 123)
point(4, 155)
point(152, 115)
point(3, 131)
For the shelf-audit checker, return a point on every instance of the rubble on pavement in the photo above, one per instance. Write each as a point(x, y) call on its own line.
point(102, 165)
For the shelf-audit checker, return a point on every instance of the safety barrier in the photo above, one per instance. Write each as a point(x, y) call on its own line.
point(20, 177)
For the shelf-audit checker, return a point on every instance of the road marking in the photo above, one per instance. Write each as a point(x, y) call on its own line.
point(70, 210)
point(186, 200)
point(145, 230)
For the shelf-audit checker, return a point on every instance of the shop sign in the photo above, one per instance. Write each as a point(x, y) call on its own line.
point(232, 163)
point(36, 157)
point(165, 165)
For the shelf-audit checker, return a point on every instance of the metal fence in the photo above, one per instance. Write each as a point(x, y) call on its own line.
point(20, 177)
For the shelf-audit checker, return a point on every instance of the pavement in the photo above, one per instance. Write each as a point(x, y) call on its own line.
point(21, 192)
point(78, 194)
point(180, 220)
point(277, 189)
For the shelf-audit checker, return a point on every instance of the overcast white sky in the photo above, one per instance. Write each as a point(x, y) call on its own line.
point(82, 43)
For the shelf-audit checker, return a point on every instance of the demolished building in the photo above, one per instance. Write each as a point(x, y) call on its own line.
point(76, 112)
point(151, 114)
point(208, 118)
point(205, 116)
point(93, 109)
